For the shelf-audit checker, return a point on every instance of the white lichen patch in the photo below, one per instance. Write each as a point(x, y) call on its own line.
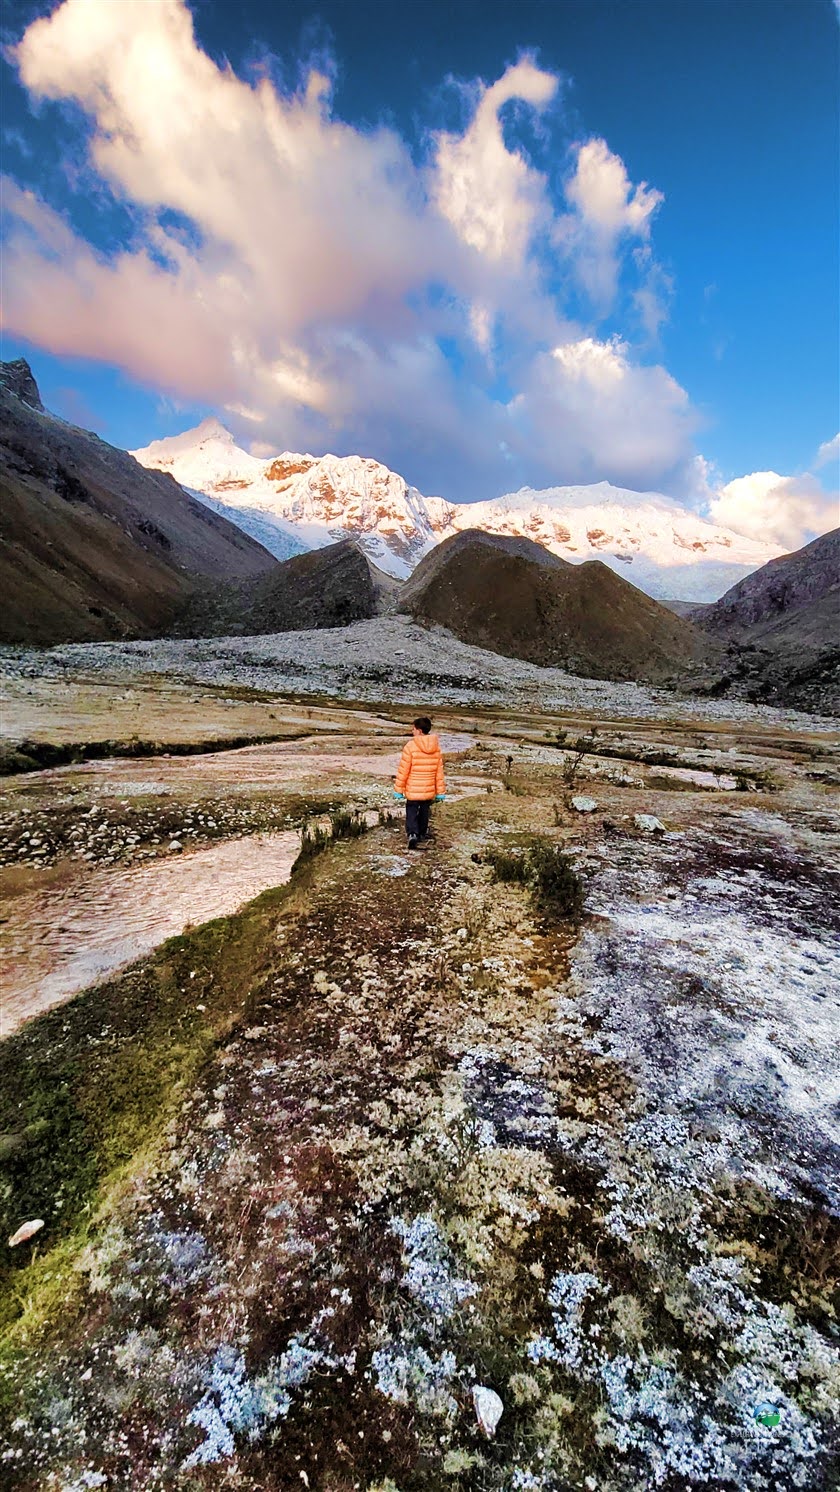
point(730, 1007)
point(408, 1374)
point(428, 1270)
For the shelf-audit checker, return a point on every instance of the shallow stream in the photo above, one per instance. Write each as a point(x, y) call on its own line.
point(81, 927)
point(61, 938)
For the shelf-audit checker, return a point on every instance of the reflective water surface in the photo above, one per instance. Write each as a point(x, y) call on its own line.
point(61, 938)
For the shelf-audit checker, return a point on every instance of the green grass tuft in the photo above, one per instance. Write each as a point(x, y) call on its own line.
point(555, 886)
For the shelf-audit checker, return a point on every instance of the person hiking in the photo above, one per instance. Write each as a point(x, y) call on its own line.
point(419, 780)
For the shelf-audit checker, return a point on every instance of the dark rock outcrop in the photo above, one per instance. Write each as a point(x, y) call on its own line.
point(95, 546)
point(18, 379)
point(777, 599)
point(512, 596)
point(328, 587)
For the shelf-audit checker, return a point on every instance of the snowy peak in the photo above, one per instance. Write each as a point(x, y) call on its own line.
point(206, 458)
point(323, 497)
point(648, 538)
point(210, 433)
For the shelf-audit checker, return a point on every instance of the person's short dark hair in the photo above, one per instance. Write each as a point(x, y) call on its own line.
point(423, 723)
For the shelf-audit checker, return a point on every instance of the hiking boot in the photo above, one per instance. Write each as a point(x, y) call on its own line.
point(412, 843)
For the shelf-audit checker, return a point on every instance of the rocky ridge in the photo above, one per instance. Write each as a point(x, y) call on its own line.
point(330, 587)
point(777, 598)
point(512, 596)
point(389, 658)
point(782, 628)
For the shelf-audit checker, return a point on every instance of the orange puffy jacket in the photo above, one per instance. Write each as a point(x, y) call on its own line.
point(420, 772)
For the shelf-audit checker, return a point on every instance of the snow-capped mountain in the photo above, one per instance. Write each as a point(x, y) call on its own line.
point(292, 502)
point(310, 500)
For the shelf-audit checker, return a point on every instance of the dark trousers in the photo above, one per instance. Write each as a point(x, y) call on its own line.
point(417, 817)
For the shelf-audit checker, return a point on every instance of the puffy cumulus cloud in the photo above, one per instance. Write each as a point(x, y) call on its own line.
point(589, 410)
point(493, 198)
point(784, 510)
point(604, 196)
point(313, 218)
point(311, 279)
point(128, 310)
point(606, 210)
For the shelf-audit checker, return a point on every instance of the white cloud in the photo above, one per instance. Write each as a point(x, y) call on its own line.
point(492, 197)
point(829, 451)
point(605, 197)
point(653, 297)
point(607, 209)
point(307, 274)
point(589, 407)
point(783, 510)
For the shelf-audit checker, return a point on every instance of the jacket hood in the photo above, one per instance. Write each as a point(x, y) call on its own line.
point(427, 744)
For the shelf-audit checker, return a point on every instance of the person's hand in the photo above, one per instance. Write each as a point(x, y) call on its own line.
point(440, 797)
point(400, 796)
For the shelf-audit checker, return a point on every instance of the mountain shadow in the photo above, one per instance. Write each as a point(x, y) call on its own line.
point(329, 587)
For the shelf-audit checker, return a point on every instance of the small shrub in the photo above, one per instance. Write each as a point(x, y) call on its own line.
point(344, 824)
point(312, 842)
point(584, 746)
point(555, 886)
point(756, 780)
point(765, 781)
point(508, 865)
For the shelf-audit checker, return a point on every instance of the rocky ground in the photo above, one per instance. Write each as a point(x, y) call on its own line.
point(420, 1174)
point(389, 658)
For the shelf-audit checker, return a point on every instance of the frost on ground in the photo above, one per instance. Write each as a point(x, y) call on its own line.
point(718, 986)
point(450, 1150)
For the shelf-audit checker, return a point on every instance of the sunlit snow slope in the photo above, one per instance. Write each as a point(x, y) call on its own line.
point(292, 502)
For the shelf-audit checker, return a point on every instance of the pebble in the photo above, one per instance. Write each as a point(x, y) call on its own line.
point(582, 804)
point(25, 1231)
point(649, 823)
point(175, 845)
point(488, 1408)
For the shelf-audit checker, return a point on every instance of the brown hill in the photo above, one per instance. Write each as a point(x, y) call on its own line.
point(782, 628)
point(328, 587)
point(776, 599)
point(514, 597)
point(94, 545)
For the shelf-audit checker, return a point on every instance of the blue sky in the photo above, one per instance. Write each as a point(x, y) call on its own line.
point(492, 245)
